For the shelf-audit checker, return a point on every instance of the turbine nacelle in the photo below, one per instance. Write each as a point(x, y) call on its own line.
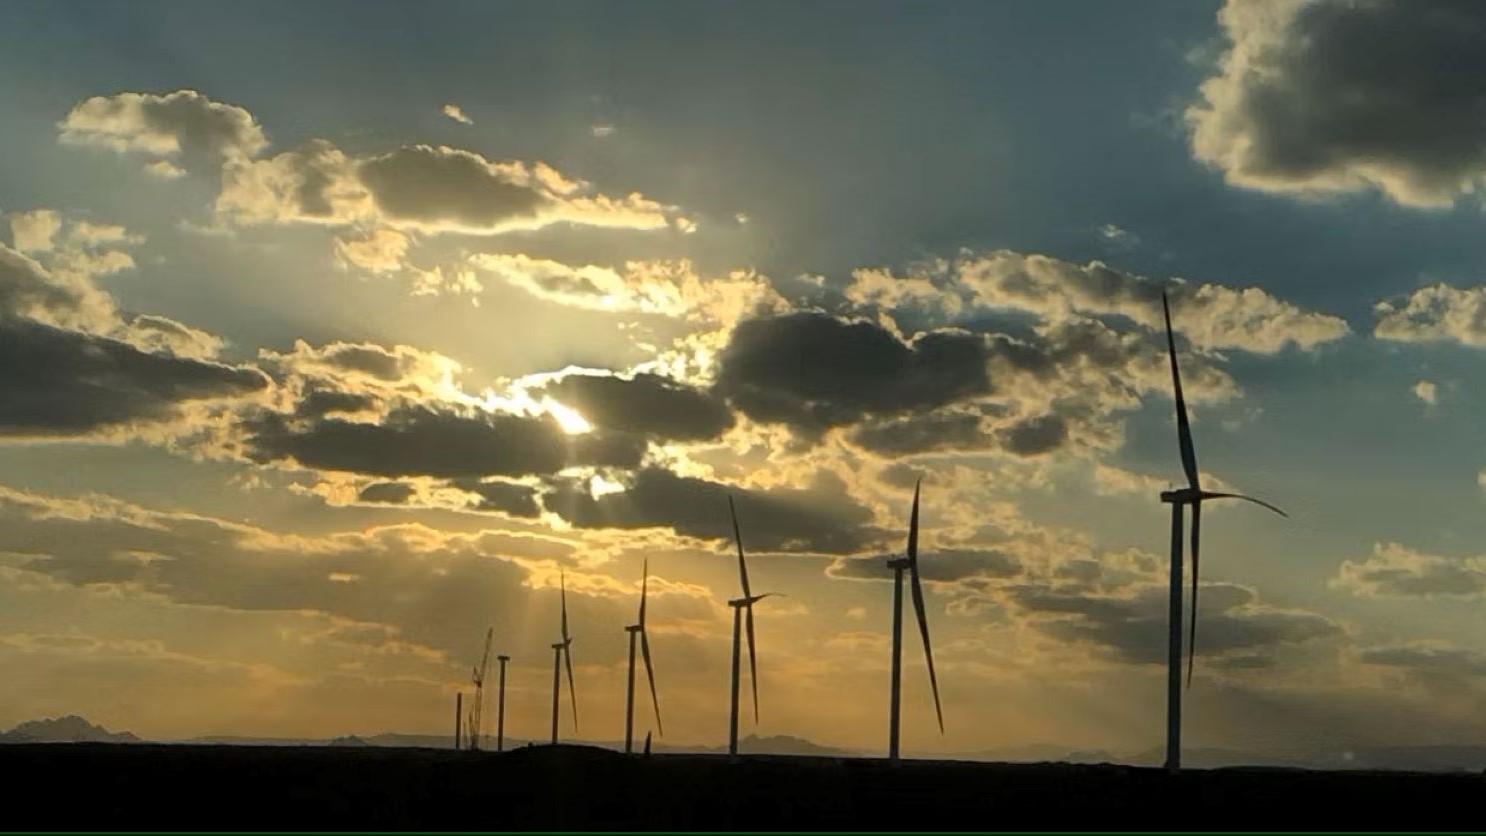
point(751, 599)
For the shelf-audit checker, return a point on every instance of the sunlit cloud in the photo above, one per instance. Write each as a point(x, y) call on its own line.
point(453, 111)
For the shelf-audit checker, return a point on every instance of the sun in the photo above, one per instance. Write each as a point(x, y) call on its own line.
point(567, 418)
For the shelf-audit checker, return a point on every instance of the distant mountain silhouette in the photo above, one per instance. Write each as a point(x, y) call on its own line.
point(69, 729)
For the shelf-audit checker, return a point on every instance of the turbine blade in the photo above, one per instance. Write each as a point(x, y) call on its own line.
point(563, 580)
point(913, 526)
point(923, 627)
point(738, 538)
point(1216, 495)
point(1183, 427)
point(752, 663)
point(1196, 562)
point(650, 674)
point(644, 584)
point(567, 657)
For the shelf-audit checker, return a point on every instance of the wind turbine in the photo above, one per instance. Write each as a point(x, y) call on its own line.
point(562, 652)
point(629, 700)
point(500, 706)
point(1194, 496)
point(477, 677)
point(909, 562)
point(740, 605)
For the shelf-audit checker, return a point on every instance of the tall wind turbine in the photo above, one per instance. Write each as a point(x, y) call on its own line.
point(909, 562)
point(477, 677)
point(740, 605)
point(562, 652)
point(629, 699)
point(500, 706)
point(1194, 496)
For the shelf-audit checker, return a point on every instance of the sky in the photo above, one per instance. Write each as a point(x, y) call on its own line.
point(333, 334)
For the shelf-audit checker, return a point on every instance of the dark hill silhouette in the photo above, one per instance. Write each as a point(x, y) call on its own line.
point(69, 729)
point(184, 787)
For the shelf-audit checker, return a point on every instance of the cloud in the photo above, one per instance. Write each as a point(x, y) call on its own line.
point(184, 124)
point(59, 383)
point(32, 232)
point(935, 565)
point(944, 429)
point(386, 579)
point(384, 250)
point(667, 288)
point(1337, 96)
point(1426, 657)
point(72, 367)
point(822, 518)
point(392, 493)
point(160, 334)
point(642, 404)
point(165, 170)
point(854, 368)
point(509, 497)
point(453, 111)
point(1132, 623)
point(1036, 436)
point(441, 441)
point(421, 188)
point(1211, 316)
point(1427, 392)
point(1118, 239)
point(1395, 570)
point(1435, 313)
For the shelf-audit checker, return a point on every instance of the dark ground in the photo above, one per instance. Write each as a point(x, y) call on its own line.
point(86, 786)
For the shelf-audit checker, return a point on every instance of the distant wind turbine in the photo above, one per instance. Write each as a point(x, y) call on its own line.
point(740, 605)
point(562, 652)
point(1194, 496)
point(909, 562)
point(629, 700)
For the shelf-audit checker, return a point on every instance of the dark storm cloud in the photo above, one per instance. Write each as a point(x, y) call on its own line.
point(647, 404)
point(1338, 95)
point(815, 371)
point(822, 518)
point(514, 499)
point(1035, 436)
point(429, 185)
point(921, 433)
point(318, 401)
point(58, 382)
point(391, 493)
point(427, 441)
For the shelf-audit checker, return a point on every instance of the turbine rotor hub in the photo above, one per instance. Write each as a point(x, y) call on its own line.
point(1182, 495)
